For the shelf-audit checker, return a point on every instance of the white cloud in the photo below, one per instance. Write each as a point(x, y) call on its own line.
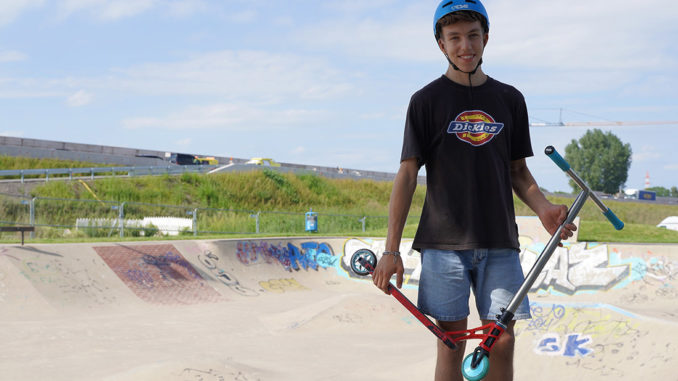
point(113, 10)
point(237, 74)
point(106, 9)
point(557, 48)
point(12, 56)
point(361, 5)
point(31, 88)
point(230, 75)
point(11, 9)
point(243, 17)
point(586, 36)
point(16, 134)
point(184, 142)
point(183, 8)
point(80, 98)
point(407, 36)
point(647, 153)
point(228, 116)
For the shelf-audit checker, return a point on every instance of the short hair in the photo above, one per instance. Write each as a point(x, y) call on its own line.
point(460, 16)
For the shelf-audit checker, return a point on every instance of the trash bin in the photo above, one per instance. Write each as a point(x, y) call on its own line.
point(311, 221)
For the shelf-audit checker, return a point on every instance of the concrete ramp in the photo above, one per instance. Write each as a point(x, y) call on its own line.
point(291, 309)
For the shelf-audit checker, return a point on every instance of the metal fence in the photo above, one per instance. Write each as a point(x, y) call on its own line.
point(57, 218)
point(91, 172)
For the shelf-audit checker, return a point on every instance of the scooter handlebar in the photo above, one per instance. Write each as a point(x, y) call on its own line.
point(565, 166)
point(555, 156)
point(614, 220)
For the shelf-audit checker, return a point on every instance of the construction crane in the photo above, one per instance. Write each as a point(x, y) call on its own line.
point(604, 123)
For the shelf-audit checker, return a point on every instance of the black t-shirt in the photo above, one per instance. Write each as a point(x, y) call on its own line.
point(467, 137)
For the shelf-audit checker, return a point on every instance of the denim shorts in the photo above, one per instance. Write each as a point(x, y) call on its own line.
point(447, 276)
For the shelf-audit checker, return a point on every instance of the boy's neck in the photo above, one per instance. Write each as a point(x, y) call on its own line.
point(477, 79)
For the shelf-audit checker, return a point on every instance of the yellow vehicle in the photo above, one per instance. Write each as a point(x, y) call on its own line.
point(266, 162)
point(186, 159)
point(209, 160)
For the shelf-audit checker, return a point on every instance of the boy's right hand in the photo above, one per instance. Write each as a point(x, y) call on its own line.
point(385, 269)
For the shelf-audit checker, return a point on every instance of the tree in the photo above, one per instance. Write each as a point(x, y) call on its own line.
point(600, 159)
point(660, 191)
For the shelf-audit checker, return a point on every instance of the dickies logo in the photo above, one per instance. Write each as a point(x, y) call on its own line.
point(475, 127)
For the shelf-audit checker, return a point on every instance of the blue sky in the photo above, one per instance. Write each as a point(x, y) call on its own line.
point(327, 83)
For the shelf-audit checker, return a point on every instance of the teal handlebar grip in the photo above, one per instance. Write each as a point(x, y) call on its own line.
point(555, 156)
point(616, 222)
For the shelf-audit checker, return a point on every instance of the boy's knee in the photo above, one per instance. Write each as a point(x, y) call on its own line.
point(458, 352)
point(505, 345)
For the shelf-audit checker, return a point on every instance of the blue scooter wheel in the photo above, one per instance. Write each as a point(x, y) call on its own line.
point(475, 374)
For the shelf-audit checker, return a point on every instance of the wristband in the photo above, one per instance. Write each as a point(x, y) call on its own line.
point(395, 255)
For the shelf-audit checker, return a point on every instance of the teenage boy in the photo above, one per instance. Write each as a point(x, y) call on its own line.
point(472, 134)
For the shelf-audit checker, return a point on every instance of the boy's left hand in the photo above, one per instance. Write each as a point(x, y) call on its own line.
point(553, 216)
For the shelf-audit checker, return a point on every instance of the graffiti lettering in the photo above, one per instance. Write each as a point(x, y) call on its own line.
point(544, 318)
point(210, 260)
point(311, 255)
point(574, 345)
point(67, 277)
point(282, 285)
point(587, 336)
point(576, 268)
point(213, 375)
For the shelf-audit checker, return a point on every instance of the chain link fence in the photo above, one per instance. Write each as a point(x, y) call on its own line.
point(65, 218)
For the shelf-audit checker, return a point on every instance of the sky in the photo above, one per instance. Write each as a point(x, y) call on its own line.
point(328, 82)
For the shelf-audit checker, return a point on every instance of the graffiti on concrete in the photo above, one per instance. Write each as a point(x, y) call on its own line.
point(158, 274)
point(659, 273)
point(570, 346)
point(66, 280)
point(576, 268)
point(282, 285)
point(310, 255)
point(211, 262)
point(214, 375)
point(593, 337)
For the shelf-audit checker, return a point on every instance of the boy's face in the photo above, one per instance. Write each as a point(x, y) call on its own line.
point(463, 43)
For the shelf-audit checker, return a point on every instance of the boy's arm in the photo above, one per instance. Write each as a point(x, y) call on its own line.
point(528, 191)
point(404, 185)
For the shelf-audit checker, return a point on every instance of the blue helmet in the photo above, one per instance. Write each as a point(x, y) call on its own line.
point(450, 6)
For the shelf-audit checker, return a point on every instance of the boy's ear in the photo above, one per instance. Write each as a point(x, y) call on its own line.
point(441, 45)
point(486, 37)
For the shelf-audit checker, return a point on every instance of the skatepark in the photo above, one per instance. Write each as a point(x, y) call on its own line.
point(292, 309)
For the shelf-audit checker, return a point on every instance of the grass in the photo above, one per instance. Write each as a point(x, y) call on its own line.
point(597, 231)
point(282, 198)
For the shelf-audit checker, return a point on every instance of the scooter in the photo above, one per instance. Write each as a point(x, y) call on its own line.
point(476, 364)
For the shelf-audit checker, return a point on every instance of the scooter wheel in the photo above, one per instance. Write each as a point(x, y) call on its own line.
point(368, 256)
point(475, 374)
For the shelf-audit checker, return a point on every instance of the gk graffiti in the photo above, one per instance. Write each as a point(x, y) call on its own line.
point(573, 345)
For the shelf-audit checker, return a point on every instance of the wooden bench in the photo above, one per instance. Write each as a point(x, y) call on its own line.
point(21, 229)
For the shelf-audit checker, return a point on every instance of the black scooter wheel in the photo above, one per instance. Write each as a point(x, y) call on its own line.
point(368, 257)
